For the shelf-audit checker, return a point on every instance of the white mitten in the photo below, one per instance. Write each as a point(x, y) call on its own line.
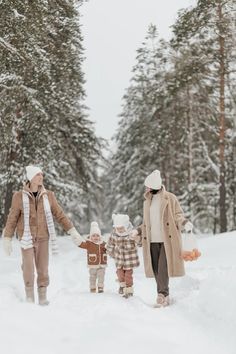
point(136, 237)
point(7, 245)
point(188, 226)
point(76, 238)
point(133, 234)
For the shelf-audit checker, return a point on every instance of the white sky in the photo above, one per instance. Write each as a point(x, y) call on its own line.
point(113, 30)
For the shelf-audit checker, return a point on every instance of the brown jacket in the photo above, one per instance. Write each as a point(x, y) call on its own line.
point(37, 218)
point(96, 253)
point(173, 221)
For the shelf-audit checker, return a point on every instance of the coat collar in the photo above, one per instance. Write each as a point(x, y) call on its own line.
point(27, 191)
point(149, 196)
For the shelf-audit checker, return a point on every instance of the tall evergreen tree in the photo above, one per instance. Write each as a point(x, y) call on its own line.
point(43, 117)
point(210, 23)
point(177, 117)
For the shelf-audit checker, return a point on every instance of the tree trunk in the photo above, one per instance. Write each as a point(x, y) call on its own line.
point(222, 189)
point(8, 198)
point(11, 160)
point(190, 151)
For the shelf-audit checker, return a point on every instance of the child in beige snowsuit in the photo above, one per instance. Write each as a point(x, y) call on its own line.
point(96, 258)
point(123, 248)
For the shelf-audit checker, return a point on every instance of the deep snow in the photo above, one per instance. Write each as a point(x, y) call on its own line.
point(202, 318)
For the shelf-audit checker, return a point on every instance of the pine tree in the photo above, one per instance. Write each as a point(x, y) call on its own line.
point(43, 117)
point(210, 24)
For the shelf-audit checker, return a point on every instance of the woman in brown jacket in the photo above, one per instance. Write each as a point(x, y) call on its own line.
point(31, 215)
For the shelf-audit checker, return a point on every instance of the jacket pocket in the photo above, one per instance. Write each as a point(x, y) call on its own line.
point(92, 257)
point(104, 257)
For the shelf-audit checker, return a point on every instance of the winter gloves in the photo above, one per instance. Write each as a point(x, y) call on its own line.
point(188, 226)
point(76, 238)
point(7, 245)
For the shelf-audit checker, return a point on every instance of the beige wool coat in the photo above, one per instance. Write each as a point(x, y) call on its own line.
point(37, 218)
point(173, 222)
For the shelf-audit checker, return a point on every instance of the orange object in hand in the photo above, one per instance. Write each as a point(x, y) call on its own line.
point(190, 255)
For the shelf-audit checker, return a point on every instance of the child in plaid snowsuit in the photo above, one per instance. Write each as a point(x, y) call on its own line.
point(123, 248)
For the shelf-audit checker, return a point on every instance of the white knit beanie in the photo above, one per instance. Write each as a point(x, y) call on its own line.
point(154, 180)
point(94, 229)
point(31, 171)
point(120, 220)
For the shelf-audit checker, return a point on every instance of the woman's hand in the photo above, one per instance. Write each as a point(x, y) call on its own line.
point(7, 245)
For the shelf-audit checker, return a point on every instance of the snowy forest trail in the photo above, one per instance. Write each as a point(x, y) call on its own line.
point(76, 321)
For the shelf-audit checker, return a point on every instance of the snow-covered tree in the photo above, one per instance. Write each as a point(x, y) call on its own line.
point(43, 118)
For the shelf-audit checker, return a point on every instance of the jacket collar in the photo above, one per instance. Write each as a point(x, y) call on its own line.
point(27, 190)
point(149, 196)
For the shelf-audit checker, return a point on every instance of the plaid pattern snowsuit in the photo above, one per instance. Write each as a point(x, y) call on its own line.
point(123, 250)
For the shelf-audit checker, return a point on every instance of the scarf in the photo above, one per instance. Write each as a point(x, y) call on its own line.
point(27, 240)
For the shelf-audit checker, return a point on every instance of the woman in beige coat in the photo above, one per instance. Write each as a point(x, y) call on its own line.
point(163, 221)
point(31, 215)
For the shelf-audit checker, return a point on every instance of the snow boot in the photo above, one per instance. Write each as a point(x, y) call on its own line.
point(42, 295)
point(29, 292)
point(128, 292)
point(100, 289)
point(92, 290)
point(121, 288)
point(162, 301)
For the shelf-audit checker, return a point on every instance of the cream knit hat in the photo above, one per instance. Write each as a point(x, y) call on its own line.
point(120, 220)
point(154, 180)
point(31, 171)
point(94, 229)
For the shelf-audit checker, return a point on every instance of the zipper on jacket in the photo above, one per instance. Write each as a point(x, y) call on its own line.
point(99, 253)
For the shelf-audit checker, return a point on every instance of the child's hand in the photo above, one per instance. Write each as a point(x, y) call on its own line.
point(134, 235)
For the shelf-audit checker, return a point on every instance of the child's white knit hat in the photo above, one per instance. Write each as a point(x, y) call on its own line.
point(154, 180)
point(94, 229)
point(120, 220)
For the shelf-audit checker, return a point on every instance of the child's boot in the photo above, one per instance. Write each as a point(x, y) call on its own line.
point(121, 288)
point(92, 290)
point(100, 289)
point(128, 292)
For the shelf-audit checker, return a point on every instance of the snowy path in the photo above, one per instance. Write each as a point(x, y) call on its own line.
point(202, 318)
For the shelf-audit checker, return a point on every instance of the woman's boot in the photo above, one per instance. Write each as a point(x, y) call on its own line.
point(29, 292)
point(42, 294)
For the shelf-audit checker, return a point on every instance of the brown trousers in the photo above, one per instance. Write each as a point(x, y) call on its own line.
point(159, 266)
point(125, 276)
point(36, 257)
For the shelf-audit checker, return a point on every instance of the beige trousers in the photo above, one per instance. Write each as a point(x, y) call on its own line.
point(36, 258)
point(96, 274)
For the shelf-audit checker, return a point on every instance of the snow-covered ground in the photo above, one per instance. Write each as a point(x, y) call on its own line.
point(202, 318)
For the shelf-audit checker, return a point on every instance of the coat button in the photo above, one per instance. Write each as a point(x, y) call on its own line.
point(167, 224)
point(169, 236)
point(145, 238)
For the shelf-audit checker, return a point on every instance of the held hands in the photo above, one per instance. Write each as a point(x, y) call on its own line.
point(7, 245)
point(134, 236)
point(188, 227)
point(76, 238)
